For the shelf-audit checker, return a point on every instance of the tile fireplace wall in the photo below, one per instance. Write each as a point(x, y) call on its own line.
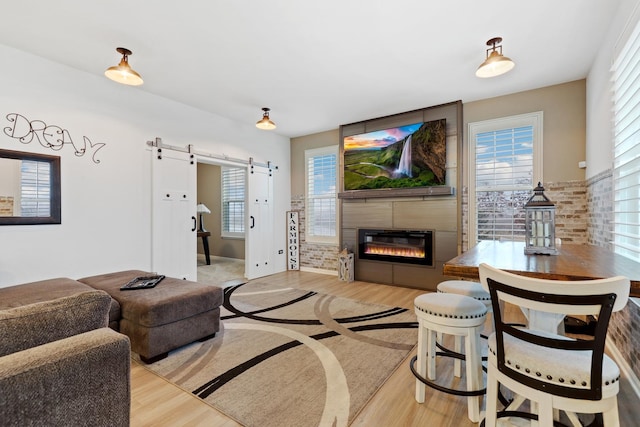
point(435, 213)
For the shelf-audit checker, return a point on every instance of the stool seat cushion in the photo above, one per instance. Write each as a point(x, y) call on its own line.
point(464, 287)
point(450, 309)
point(560, 367)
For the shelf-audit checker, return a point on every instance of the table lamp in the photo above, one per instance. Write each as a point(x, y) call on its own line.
point(202, 209)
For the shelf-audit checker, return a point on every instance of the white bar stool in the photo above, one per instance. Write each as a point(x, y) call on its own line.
point(470, 289)
point(467, 288)
point(460, 316)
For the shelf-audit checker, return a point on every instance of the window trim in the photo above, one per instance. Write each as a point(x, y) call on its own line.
point(308, 154)
point(534, 119)
point(55, 216)
point(231, 234)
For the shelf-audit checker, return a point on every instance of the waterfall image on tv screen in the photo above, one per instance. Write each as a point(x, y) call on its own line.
point(403, 157)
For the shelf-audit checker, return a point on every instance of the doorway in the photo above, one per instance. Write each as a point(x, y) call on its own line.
point(226, 250)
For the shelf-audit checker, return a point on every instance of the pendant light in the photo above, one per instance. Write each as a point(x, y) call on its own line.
point(496, 63)
point(265, 123)
point(123, 73)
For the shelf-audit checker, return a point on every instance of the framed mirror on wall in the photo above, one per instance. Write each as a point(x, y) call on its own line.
point(29, 188)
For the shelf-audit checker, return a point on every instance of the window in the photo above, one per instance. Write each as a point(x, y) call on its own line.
point(626, 161)
point(505, 158)
point(321, 196)
point(35, 188)
point(233, 187)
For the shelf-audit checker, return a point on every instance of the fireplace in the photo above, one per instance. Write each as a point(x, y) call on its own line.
point(405, 246)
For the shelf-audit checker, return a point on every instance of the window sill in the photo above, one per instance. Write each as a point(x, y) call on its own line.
point(232, 237)
point(321, 243)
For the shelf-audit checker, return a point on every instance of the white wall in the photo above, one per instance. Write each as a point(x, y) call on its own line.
point(599, 90)
point(106, 206)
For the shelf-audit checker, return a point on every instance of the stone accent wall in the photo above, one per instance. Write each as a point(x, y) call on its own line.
point(6, 205)
point(313, 255)
point(465, 218)
point(570, 198)
point(624, 328)
point(600, 207)
point(624, 331)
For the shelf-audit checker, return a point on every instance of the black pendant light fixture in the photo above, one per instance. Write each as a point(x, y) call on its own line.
point(265, 123)
point(496, 63)
point(123, 73)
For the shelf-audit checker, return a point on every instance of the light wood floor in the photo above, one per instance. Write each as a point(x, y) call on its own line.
point(156, 402)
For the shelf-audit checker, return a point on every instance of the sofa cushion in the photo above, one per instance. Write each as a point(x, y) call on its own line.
point(170, 301)
point(83, 380)
point(45, 290)
point(42, 322)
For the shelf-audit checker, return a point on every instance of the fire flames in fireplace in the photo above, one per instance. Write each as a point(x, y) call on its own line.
point(408, 252)
point(403, 246)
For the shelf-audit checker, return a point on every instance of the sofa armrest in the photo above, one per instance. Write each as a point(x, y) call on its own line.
point(80, 380)
point(42, 322)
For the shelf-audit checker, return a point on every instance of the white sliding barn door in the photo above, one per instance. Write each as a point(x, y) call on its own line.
point(173, 213)
point(259, 226)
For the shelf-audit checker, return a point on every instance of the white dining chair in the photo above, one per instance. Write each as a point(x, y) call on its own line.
point(553, 371)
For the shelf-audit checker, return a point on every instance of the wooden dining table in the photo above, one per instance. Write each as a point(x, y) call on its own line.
point(573, 262)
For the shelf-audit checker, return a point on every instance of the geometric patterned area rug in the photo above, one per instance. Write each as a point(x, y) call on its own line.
point(291, 357)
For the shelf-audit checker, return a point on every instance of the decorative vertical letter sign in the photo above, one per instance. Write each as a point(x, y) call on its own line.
point(293, 248)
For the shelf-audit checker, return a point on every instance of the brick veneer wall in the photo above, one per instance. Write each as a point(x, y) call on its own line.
point(600, 207)
point(6, 206)
point(624, 328)
point(570, 198)
point(313, 255)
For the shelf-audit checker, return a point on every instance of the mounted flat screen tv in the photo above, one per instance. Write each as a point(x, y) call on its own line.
point(408, 156)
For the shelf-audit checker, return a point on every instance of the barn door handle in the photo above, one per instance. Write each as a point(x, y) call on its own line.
point(194, 223)
point(253, 222)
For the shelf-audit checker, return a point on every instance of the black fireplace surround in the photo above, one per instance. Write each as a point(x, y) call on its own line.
point(404, 246)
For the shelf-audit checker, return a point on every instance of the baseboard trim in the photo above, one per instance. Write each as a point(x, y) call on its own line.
point(624, 367)
point(319, 270)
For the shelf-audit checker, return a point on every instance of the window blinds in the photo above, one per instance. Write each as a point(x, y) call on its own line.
point(504, 179)
point(321, 195)
point(35, 185)
point(233, 191)
point(626, 167)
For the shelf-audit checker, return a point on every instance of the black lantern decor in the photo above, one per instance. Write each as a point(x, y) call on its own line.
point(540, 224)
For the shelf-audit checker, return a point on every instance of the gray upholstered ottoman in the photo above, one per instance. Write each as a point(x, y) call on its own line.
point(158, 320)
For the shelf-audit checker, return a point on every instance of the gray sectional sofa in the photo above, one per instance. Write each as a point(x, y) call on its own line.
point(61, 365)
point(62, 361)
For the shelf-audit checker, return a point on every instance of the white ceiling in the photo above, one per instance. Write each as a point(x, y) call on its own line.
point(316, 64)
